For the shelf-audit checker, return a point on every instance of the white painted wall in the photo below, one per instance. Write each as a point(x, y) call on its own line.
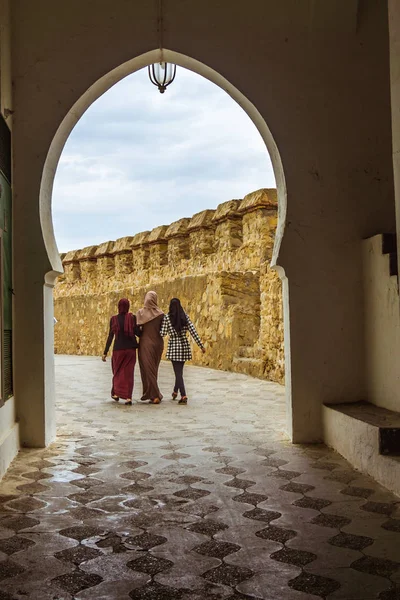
point(9, 435)
point(382, 327)
point(289, 60)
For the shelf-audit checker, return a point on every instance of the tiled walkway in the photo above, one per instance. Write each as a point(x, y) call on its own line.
point(206, 501)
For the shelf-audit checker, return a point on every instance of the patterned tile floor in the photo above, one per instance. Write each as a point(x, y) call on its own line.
point(189, 502)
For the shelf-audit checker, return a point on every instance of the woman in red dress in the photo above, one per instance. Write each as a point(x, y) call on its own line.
point(124, 328)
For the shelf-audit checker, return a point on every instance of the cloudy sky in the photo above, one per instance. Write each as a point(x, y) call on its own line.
point(138, 159)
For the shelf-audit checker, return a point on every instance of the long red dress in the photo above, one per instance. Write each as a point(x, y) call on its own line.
point(123, 358)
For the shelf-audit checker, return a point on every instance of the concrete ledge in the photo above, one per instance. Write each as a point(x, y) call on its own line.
point(358, 441)
point(9, 447)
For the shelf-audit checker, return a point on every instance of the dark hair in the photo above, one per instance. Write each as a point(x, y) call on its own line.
point(177, 315)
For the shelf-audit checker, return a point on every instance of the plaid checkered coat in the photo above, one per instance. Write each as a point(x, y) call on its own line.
point(178, 343)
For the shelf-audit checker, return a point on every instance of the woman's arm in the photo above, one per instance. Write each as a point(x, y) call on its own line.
point(194, 334)
point(137, 329)
point(164, 329)
point(108, 342)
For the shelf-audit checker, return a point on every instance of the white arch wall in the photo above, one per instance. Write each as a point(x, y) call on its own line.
point(309, 76)
point(52, 159)
point(101, 86)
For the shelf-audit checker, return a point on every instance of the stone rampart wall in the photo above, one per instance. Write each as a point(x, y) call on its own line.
point(217, 262)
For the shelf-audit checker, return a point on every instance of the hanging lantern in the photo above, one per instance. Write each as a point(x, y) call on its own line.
point(162, 74)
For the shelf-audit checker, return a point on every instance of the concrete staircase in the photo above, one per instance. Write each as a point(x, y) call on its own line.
point(368, 436)
point(389, 246)
point(365, 433)
point(248, 360)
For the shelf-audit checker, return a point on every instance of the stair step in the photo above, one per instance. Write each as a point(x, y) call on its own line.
point(249, 366)
point(386, 421)
point(245, 352)
point(368, 436)
point(389, 246)
point(393, 264)
point(389, 441)
point(389, 243)
point(249, 352)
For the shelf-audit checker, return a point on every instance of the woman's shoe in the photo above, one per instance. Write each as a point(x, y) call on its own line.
point(128, 403)
point(116, 398)
point(183, 400)
point(174, 395)
point(155, 401)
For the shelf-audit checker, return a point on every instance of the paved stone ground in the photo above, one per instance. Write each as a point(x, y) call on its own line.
point(188, 503)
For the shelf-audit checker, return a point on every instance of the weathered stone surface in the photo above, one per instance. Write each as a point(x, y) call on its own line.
point(264, 198)
point(123, 256)
point(105, 260)
point(217, 262)
point(178, 242)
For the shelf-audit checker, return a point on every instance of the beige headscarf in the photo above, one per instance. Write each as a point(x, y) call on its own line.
point(150, 310)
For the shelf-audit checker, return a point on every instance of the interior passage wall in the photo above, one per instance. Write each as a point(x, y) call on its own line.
point(217, 262)
point(382, 326)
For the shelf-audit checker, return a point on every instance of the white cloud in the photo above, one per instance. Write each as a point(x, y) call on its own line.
point(138, 159)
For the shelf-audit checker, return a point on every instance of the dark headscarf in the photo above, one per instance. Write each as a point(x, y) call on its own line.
point(123, 306)
point(177, 315)
point(129, 325)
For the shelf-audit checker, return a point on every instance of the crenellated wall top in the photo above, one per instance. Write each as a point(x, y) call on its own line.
point(261, 199)
point(201, 220)
point(230, 236)
point(178, 229)
point(227, 210)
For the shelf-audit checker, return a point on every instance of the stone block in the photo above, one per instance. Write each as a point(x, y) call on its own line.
point(265, 198)
point(88, 262)
point(229, 235)
point(201, 219)
point(123, 264)
point(123, 256)
point(70, 256)
point(202, 243)
point(178, 242)
point(87, 253)
point(105, 259)
point(229, 230)
point(158, 247)
point(71, 265)
point(226, 210)
point(140, 251)
point(105, 249)
point(139, 239)
point(178, 228)
point(202, 234)
point(157, 235)
point(123, 244)
point(178, 250)
point(72, 271)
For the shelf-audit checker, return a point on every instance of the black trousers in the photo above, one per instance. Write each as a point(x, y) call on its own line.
point(179, 383)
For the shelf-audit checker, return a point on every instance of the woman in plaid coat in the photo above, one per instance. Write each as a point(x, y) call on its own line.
point(176, 324)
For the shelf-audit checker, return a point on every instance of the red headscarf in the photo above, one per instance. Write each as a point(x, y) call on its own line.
point(129, 323)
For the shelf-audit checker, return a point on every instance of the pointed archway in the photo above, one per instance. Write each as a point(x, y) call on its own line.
point(46, 190)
